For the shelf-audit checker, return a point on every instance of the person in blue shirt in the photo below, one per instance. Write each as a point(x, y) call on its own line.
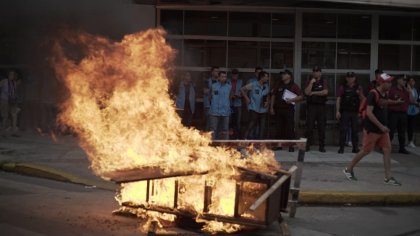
point(185, 99)
point(206, 94)
point(413, 110)
point(219, 113)
point(257, 103)
point(253, 133)
point(236, 103)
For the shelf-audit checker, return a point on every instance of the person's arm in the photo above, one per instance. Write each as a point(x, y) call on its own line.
point(308, 88)
point(337, 107)
point(244, 92)
point(361, 94)
point(273, 97)
point(374, 120)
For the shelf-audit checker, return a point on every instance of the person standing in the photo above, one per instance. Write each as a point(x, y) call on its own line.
point(206, 94)
point(413, 110)
point(236, 103)
point(257, 102)
point(185, 100)
point(398, 112)
point(349, 96)
point(284, 108)
point(316, 91)
point(375, 132)
point(9, 100)
point(220, 107)
point(256, 130)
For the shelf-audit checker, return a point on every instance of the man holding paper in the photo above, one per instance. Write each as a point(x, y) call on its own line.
point(284, 97)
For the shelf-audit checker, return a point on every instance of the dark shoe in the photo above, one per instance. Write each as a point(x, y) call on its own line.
point(322, 149)
point(355, 150)
point(403, 151)
point(349, 175)
point(341, 150)
point(291, 149)
point(392, 181)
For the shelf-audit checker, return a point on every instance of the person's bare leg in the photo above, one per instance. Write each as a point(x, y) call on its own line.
point(356, 159)
point(387, 162)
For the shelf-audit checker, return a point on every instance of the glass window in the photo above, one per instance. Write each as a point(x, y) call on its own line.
point(394, 57)
point(205, 23)
point(243, 54)
point(249, 24)
point(282, 55)
point(416, 28)
point(319, 25)
point(318, 53)
point(395, 27)
point(416, 58)
point(8, 46)
point(204, 53)
point(353, 55)
point(177, 45)
point(283, 25)
point(354, 26)
point(171, 21)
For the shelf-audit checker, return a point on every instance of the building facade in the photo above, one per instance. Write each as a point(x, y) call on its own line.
point(337, 39)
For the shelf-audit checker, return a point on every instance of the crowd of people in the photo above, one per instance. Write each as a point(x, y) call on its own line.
point(223, 99)
point(379, 110)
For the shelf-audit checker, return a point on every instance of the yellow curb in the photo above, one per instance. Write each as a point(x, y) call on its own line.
point(47, 172)
point(383, 198)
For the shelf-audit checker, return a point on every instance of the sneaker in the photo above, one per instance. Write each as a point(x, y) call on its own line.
point(411, 144)
point(403, 151)
point(392, 181)
point(341, 150)
point(322, 149)
point(349, 174)
point(349, 144)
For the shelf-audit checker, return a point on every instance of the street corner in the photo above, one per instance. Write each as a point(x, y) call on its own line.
point(360, 198)
point(47, 172)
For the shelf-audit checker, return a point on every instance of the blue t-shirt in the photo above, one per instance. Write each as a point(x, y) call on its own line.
point(220, 99)
point(206, 97)
point(413, 109)
point(258, 94)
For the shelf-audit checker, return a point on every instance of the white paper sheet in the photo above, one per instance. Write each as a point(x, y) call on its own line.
point(287, 95)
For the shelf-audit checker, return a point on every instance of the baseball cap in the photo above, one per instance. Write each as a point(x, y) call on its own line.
point(316, 68)
point(350, 75)
point(386, 78)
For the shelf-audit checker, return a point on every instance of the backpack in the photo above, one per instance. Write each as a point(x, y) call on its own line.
point(363, 104)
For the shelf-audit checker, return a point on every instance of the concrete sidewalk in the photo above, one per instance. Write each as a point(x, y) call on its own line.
point(323, 181)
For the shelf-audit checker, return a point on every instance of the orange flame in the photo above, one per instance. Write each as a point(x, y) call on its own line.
point(119, 105)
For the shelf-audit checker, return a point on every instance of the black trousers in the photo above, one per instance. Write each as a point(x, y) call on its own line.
point(316, 113)
point(411, 125)
point(256, 119)
point(285, 123)
point(349, 120)
point(398, 121)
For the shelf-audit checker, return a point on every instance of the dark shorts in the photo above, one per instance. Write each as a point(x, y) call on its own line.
point(372, 140)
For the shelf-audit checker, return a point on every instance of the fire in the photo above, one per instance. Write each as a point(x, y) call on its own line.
point(118, 104)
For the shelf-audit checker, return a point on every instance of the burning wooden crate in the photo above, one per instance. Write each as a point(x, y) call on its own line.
point(252, 199)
